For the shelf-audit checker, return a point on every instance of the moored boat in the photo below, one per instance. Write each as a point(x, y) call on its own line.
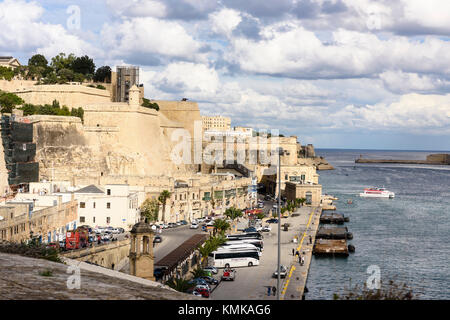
point(375, 192)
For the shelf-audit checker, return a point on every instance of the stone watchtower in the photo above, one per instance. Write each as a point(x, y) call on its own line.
point(141, 251)
point(134, 96)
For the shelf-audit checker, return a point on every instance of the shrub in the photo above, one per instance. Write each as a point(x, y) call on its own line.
point(33, 250)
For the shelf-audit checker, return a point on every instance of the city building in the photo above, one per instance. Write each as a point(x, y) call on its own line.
point(124, 78)
point(42, 217)
point(216, 123)
point(113, 205)
point(9, 62)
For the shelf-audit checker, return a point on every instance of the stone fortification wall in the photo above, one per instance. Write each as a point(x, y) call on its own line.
point(16, 85)
point(72, 96)
point(117, 143)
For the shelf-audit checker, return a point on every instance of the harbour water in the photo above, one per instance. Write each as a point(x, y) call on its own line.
point(407, 237)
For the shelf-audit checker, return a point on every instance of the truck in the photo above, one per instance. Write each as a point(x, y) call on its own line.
point(77, 239)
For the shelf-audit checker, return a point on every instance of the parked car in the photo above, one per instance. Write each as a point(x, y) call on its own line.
point(178, 223)
point(106, 237)
point(200, 220)
point(194, 226)
point(157, 239)
point(283, 272)
point(229, 274)
point(210, 223)
point(183, 222)
point(266, 228)
point(199, 281)
point(273, 220)
point(250, 229)
point(121, 230)
point(210, 280)
point(212, 269)
point(54, 245)
point(202, 290)
point(115, 231)
point(171, 225)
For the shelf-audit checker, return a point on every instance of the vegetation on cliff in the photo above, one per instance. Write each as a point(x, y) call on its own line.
point(8, 101)
point(53, 109)
point(147, 104)
point(61, 69)
point(32, 249)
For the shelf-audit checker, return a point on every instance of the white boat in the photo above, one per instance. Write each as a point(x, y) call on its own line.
point(375, 192)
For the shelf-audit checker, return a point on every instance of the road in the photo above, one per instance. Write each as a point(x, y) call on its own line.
point(252, 282)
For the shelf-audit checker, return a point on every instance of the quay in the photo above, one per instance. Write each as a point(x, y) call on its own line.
point(295, 282)
point(433, 159)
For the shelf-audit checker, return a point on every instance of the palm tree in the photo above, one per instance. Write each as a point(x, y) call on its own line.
point(179, 284)
point(301, 200)
point(221, 225)
point(233, 213)
point(164, 195)
point(210, 245)
point(198, 272)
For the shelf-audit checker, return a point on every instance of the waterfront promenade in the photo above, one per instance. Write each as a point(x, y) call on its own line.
point(252, 283)
point(295, 282)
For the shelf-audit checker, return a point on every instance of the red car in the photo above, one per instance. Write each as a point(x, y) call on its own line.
point(203, 291)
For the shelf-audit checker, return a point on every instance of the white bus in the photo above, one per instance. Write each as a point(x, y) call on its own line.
point(255, 242)
point(233, 258)
point(240, 246)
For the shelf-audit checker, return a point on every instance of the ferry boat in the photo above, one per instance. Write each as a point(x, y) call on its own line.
point(374, 192)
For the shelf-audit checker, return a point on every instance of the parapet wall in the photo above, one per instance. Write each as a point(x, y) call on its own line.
point(72, 96)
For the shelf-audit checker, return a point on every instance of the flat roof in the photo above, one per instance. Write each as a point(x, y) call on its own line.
point(178, 255)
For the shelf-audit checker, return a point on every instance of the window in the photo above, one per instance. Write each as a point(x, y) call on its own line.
point(108, 220)
point(108, 205)
point(82, 220)
point(108, 192)
point(82, 205)
point(93, 205)
point(93, 219)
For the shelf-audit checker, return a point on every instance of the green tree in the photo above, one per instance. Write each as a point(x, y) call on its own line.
point(8, 101)
point(233, 213)
point(163, 196)
point(147, 104)
point(61, 61)
point(83, 65)
point(38, 60)
point(65, 75)
point(211, 245)
point(179, 284)
point(150, 210)
point(6, 73)
point(103, 74)
point(221, 225)
point(198, 272)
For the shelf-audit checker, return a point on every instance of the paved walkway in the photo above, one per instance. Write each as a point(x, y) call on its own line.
point(295, 282)
point(252, 283)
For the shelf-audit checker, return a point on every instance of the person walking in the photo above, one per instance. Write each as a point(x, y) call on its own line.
point(310, 240)
point(302, 262)
point(274, 290)
point(299, 259)
point(268, 290)
point(293, 251)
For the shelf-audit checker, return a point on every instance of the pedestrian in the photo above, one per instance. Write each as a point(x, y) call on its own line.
point(274, 290)
point(268, 290)
point(310, 240)
point(302, 261)
point(293, 251)
point(299, 259)
point(297, 253)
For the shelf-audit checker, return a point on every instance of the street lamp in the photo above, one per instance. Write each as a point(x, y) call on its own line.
point(280, 152)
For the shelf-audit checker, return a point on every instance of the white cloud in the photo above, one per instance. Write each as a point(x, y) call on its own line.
point(146, 36)
point(225, 21)
point(288, 49)
point(22, 30)
point(139, 8)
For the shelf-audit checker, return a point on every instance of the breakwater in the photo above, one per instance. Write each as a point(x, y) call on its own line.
point(433, 159)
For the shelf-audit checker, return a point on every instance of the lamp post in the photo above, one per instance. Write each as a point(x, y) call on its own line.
point(280, 152)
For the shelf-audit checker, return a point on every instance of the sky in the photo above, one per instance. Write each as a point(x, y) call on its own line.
point(357, 74)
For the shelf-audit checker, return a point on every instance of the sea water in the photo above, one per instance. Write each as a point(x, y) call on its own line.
point(407, 238)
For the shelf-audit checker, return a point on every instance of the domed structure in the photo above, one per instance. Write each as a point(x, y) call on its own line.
point(141, 251)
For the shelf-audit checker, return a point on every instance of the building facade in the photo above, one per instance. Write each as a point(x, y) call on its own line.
point(218, 123)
